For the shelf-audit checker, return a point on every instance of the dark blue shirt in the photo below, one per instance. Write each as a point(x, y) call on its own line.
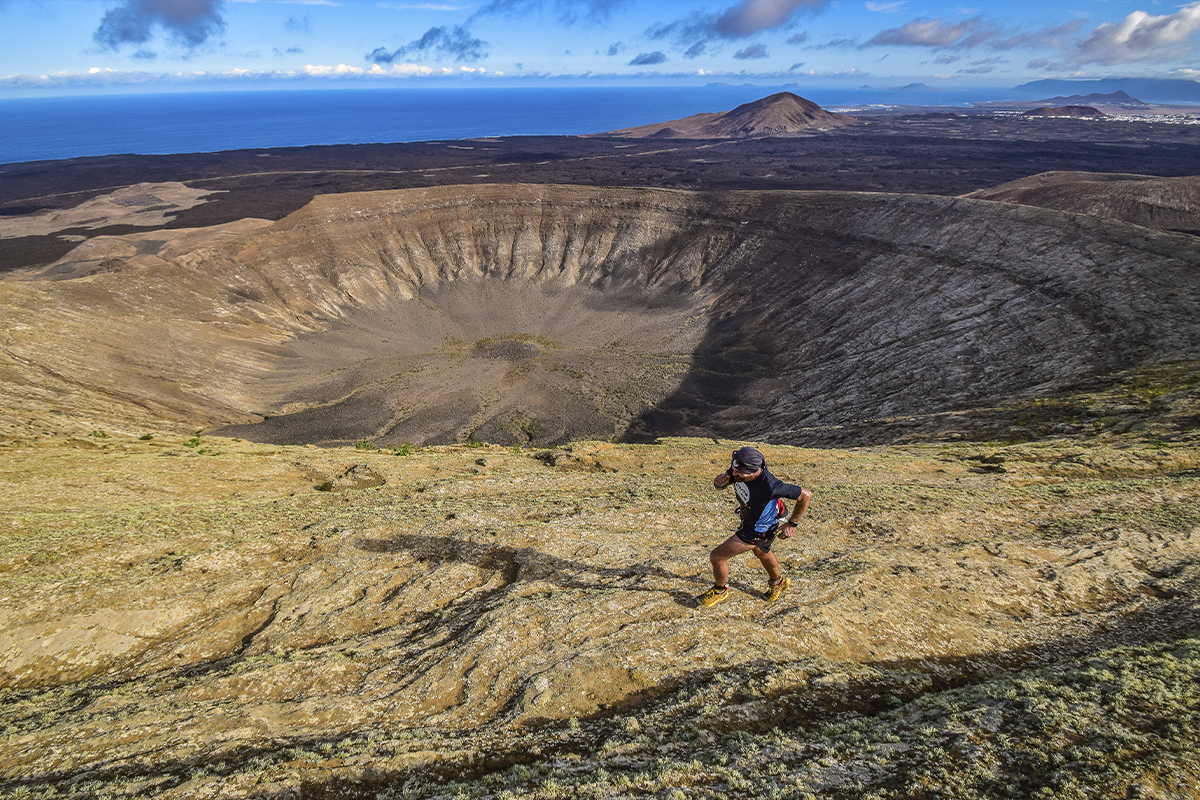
point(757, 500)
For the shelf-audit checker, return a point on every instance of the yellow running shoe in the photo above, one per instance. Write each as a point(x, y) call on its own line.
point(714, 596)
point(776, 589)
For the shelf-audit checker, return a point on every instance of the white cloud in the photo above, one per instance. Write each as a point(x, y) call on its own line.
point(647, 59)
point(97, 77)
point(925, 32)
point(740, 21)
point(887, 8)
point(1141, 37)
point(393, 70)
point(753, 51)
point(751, 16)
point(340, 69)
point(94, 77)
point(841, 73)
point(134, 22)
point(971, 33)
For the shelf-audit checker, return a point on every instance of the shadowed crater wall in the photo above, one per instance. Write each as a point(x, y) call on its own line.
point(537, 314)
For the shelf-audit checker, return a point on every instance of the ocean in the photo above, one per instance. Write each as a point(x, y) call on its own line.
point(50, 128)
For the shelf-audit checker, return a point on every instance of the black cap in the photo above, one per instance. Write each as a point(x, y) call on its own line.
point(747, 459)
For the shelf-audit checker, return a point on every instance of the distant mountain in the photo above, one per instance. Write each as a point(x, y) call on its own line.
point(1118, 98)
point(1153, 90)
point(1077, 112)
point(782, 114)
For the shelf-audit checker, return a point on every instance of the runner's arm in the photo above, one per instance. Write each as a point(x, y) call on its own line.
point(788, 529)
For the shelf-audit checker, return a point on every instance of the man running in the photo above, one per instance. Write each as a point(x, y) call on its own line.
point(759, 496)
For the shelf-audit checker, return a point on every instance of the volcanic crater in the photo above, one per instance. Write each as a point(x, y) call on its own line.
point(521, 314)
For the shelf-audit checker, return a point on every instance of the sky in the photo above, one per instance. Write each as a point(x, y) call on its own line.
point(102, 46)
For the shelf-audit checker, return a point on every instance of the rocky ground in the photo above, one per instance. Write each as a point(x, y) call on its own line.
point(205, 617)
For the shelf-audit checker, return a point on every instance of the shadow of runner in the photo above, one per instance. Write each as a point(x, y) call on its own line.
point(524, 564)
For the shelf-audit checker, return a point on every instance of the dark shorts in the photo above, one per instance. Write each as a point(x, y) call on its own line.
point(760, 540)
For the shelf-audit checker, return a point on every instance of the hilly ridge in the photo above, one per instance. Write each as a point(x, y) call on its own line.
point(782, 114)
point(1070, 111)
point(1162, 203)
point(541, 314)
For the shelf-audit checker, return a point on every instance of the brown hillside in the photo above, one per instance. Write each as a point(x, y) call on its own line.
point(1077, 112)
point(1162, 203)
point(782, 114)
